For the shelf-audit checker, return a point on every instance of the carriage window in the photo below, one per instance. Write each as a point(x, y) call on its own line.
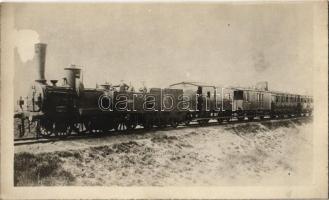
point(287, 99)
point(276, 99)
point(238, 95)
point(199, 91)
point(227, 96)
point(208, 94)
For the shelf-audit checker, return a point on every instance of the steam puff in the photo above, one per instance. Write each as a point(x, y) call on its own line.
point(24, 42)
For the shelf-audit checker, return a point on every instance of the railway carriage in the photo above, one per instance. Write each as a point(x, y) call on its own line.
point(251, 103)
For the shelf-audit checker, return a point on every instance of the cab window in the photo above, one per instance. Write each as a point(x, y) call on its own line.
point(238, 95)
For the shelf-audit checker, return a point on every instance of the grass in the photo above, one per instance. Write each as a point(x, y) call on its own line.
point(40, 169)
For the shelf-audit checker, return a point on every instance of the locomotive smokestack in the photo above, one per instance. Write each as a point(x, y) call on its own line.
point(40, 54)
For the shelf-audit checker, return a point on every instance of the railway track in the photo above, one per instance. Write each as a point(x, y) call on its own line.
point(77, 136)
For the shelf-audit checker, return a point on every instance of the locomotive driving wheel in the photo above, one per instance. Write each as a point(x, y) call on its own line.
point(126, 123)
point(62, 129)
point(44, 132)
point(45, 128)
point(188, 119)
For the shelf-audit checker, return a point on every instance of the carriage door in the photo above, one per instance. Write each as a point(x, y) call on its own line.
point(199, 99)
point(238, 100)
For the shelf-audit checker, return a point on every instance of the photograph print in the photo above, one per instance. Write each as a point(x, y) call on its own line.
point(178, 95)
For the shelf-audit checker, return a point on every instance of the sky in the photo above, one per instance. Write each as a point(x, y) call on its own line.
point(229, 44)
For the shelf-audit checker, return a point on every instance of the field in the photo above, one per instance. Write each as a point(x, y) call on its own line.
point(257, 153)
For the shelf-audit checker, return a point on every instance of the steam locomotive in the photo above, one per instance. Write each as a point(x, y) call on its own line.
point(71, 108)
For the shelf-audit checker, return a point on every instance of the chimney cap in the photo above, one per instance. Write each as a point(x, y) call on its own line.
point(40, 44)
point(72, 67)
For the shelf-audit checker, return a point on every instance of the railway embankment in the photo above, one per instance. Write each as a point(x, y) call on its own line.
point(258, 153)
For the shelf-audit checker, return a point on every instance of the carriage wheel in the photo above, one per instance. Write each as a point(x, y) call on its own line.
point(219, 120)
point(131, 125)
point(147, 125)
point(90, 126)
point(240, 118)
point(108, 127)
point(174, 123)
point(161, 124)
point(187, 122)
point(203, 122)
point(122, 126)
